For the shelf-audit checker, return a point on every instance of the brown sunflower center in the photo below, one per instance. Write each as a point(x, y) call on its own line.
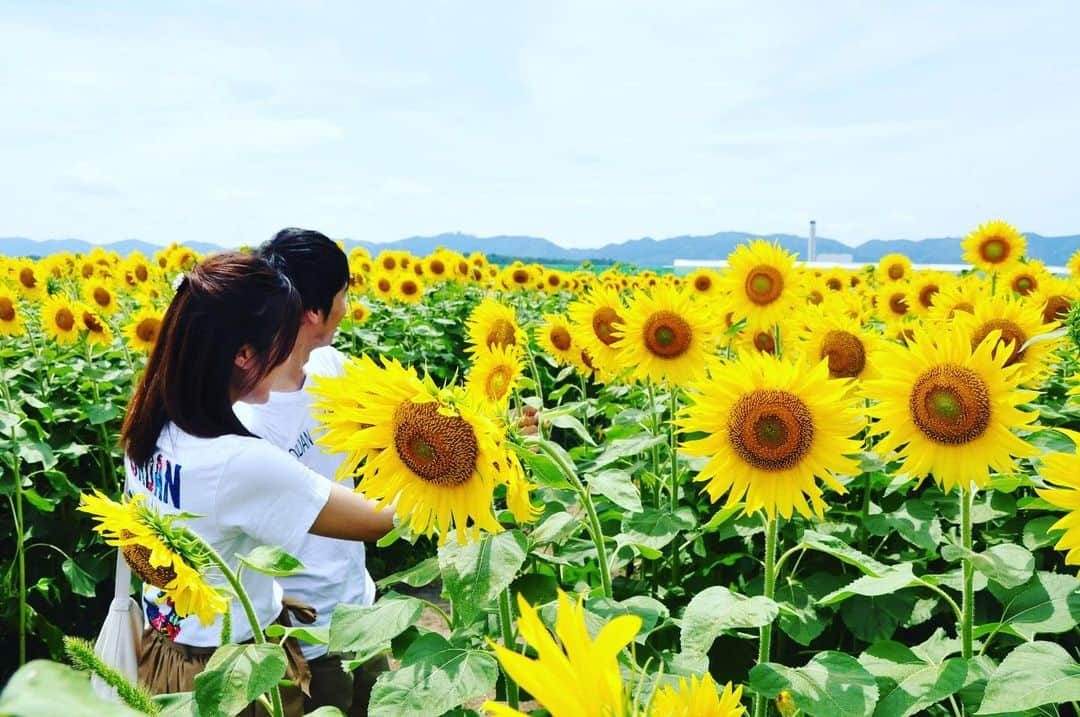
point(7, 309)
point(92, 324)
point(834, 284)
point(463, 268)
point(667, 334)
point(520, 276)
point(138, 559)
point(141, 272)
point(389, 263)
point(950, 404)
point(896, 272)
point(1024, 284)
point(965, 306)
point(846, 354)
point(603, 322)
point(1010, 332)
point(560, 338)
point(702, 283)
point(586, 358)
point(409, 288)
point(147, 329)
point(553, 280)
point(437, 267)
point(498, 382)
point(898, 304)
point(771, 430)
point(501, 333)
point(384, 285)
point(1056, 309)
point(764, 284)
point(815, 297)
point(439, 449)
point(65, 320)
point(994, 250)
point(765, 342)
point(27, 278)
point(926, 294)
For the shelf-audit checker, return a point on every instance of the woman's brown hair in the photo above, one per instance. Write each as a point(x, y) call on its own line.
point(228, 301)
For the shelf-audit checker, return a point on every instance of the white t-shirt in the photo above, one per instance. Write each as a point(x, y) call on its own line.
point(334, 570)
point(249, 494)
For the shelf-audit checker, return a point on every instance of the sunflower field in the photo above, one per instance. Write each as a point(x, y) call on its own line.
point(767, 489)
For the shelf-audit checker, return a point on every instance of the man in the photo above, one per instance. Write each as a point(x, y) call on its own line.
point(334, 570)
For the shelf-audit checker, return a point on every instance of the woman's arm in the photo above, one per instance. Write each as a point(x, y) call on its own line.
point(351, 516)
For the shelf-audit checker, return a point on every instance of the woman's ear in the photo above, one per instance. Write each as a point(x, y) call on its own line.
point(244, 358)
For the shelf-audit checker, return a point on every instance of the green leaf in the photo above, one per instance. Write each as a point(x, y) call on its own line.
point(624, 448)
point(177, 704)
point(555, 529)
point(101, 414)
point(435, 676)
point(368, 629)
point(890, 580)
point(1034, 674)
point(832, 684)
point(841, 551)
point(35, 452)
point(798, 618)
point(654, 528)
point(82, 582)
point(45, 689)
point(1048, 603)
point(721, 516)
point(43, 504)
point(915, 520)
point(716, 609)
point(571, 423)
point(618, 487)
point(475, 574)
point(272, 560)
point(419, 575)
point(305, 633)
point(1037, 532)
point(1008, 564)
point(872, 618)
point(236, 675)
point(541, 467)
point(907, 683)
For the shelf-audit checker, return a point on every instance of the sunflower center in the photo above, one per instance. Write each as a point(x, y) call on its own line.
point(384, 285)
point(560, 338)
point(846, 354)
point(896, 272)
point(926, 295)
point(834, 284)
point(141, 273)
point(463, 268)
point(439, 449)
point(994, 250)
point(553, 280)
point(765, 342)
point(586, 358)
point(7, 309)
point(771, 430)
point(91, 323)
point(815, 297)
point(65, 320)
point(1024, 284)
point(702, 283)
point(520, 276)
point(27, 278)
point(764, 285)
point(1057, 308)
point(1010, 332)
point(498, 381)
point(437, 267)
point(389, 263)
point(603, 322)
point(501, 333)
point(138, 559)
point(147, 330)
point(667, 334)
point(950, 404)
point(897, 304)
point(409, 288)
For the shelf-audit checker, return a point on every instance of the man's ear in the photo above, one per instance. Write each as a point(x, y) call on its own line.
point(244, 358)
point(312, 317)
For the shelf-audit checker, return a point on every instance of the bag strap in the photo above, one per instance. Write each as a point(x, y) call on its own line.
point(122, 584)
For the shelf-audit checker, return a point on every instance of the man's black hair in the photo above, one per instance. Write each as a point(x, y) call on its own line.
point(316, 266)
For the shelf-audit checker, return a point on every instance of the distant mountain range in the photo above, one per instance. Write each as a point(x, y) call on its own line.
point(643, 252)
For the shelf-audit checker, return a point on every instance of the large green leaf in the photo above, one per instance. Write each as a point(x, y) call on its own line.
point(368, 629)
point(1034, 674)
point(45, 689)
point(888, 581)
point(654, 528)
point(840, 550)
point(873, 618)
point(618, 487)
point(624, 448)
point(435, 676)
point(798, 617)
point(832, 684)
point(272, 560)
point(236, 675)
point(1007, 564)
point(915, 520)
point(716, 609)
point(475, 574)
point(423, 573)
point(907, 683)
point(1048, 603)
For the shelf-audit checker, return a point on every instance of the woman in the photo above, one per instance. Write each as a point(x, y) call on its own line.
point(225, 336)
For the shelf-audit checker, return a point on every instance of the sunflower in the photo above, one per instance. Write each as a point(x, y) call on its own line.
point(97, 329)
point(29, 280)
point(358, 312)
point(773, 338)
point(101, 296)
point(60, 319)
point(143, 328)
point(493, 323)
point(431, 451)
point(436, 267)
point(925, 285)
point(1062, 472)
point(1017, 323)
point(572, 675)
point(388, 261)
point(554, 281)
point(517, 276)
point(665, 337)
point(956, 295)
point(704, 283)
point(698, 698)
point(893, 267)
point(168, 557)
point(1024, 279)
point(1054, 298)
point(893, 302)
point(773, 427)
point(382, 285)
point(759, 280)
point(597, 318)
point(843, 343)
point(948, 409)
point(11, 323)
point(409, 289)
point(556, 339)
point(994, 247)
point(138, 270)
point(494, 375)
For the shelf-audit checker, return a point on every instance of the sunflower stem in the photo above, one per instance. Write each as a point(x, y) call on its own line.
point(655, 449)
point(761, 705)
point(108, 470)
point(539, 386)
point(507, 626)
point(20, 534)
point(967, 621)
point(674, 488)
point(864, 537)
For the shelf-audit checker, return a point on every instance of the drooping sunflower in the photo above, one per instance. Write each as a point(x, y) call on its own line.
point(994, 247)
point(97, 329)
point(1062, 472)
point(431, 451)
point(772, 427)
point(60, 319)
point(494, 375)
point(597, 318)
point(760, 280)
point(1017, 322)
point(893, 267)
point(30, 281)
point(665, 337)
point(143, 328)
point(697, 698)
point(948, 410)
point(11, 323)
point(409, 289)
point(162, 554)
point(845, 345)
point(556, 339)
point(493, 323)
point(572, 675)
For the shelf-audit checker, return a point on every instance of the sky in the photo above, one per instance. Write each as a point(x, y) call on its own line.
point(583, 122)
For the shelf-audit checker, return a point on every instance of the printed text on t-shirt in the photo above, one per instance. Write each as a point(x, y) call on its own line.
point(161, 477)
point(303, 443)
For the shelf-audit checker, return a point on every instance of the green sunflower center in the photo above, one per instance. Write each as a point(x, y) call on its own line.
point(950, 404)
point(498, 381)
point(667, 334)
point(771, 430)
point(764, 284)
point(994, 250)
